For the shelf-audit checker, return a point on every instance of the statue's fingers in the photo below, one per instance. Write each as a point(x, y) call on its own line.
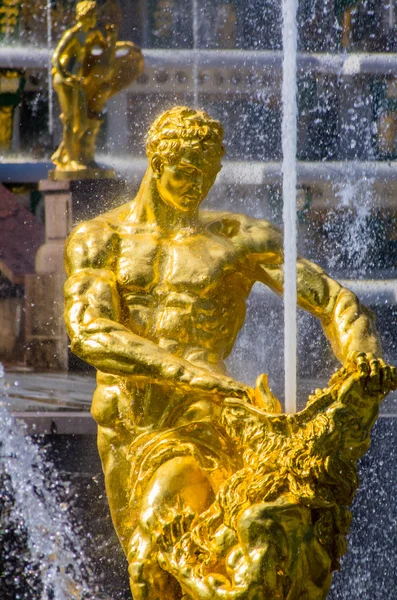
point(363, 366)
point(386, 379)
point(375, 374)
point(375, 367)
point(393, 374)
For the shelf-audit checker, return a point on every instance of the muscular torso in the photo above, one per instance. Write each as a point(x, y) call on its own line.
point(185, 292)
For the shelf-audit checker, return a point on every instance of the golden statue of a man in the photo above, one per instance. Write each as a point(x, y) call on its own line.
point(213, 492)
point(88, 68)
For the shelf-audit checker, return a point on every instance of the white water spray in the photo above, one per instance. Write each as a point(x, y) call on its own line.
point(289, 139)
point(52, 544)
point(195, 54)
point(49, 70)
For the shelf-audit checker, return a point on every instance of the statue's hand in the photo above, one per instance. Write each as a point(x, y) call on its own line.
point(204, 380)
point(222, 386)
point(381, 376)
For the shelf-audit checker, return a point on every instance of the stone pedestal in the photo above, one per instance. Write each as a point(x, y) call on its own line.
point(58, 223)
point(90, 174)
point(66, 204)
point(46, 340)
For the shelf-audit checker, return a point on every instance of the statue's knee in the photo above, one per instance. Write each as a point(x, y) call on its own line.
point(180, 480)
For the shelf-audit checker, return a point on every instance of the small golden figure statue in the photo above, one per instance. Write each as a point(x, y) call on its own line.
point(214, 493)
point(88, 68)
point(346, 11)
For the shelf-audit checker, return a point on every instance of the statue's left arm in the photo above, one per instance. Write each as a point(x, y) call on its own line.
point(349, 326)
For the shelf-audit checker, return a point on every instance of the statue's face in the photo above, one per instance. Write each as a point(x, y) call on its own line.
point(185, 184)
point(88, 21)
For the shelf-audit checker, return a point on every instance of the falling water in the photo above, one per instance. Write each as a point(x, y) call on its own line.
point(50, 92)
point(289, 138)
point(53, 547)
point(195, 54)
point(391, 15)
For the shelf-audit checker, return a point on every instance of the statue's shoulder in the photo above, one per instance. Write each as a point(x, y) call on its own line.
point(90, 231)
point(104, 225)
point(96, 240)
point(249, 233)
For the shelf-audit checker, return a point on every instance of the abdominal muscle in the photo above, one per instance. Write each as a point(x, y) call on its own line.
point(128, 405)
point(135, 405)
point(200, 330)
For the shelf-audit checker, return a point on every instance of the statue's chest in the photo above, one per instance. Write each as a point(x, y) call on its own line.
point(193, 262)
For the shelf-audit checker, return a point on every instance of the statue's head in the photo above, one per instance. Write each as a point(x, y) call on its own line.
point(184, 147)
point(86, 13)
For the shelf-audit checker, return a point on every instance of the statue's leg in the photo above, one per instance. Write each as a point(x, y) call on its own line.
point(82, 128)
point(179, 485)
point(178, 490)
point(147, 580)
point(66, 151)
point(113, 451)
point(73, 106)
point(347, 26)
point(278, 548)
point(88, 142)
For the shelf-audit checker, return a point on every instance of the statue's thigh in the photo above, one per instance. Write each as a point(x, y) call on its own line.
point(66, 96)
point(113, 450)
point(178, 484)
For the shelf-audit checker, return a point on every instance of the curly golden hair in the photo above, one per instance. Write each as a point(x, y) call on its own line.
point(85, 8)
point(180, 128)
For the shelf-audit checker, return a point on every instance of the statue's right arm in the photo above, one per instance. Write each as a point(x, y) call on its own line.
point(93, 319)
